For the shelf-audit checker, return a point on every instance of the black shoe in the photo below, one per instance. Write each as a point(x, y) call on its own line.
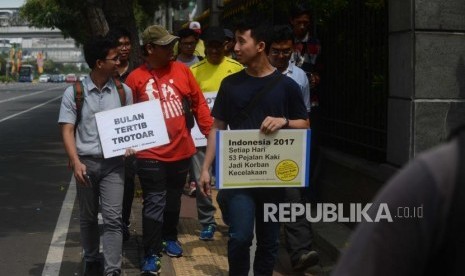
point(307, 260)
point(93, 268)
point(126, 232)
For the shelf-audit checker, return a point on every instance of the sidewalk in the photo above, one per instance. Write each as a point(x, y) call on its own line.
point(200, 257)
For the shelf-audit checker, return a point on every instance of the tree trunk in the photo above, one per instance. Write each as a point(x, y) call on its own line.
point(96, 18)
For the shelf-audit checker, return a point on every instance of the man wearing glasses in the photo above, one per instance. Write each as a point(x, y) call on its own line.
point(163, 170)
point(299, 233)
point(96, 177)
point(187, 41)
point(123, 40)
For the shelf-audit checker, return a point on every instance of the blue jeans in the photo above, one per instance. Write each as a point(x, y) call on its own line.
point(243, 208)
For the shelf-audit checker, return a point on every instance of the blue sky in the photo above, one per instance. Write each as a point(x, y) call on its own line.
point(11, 3)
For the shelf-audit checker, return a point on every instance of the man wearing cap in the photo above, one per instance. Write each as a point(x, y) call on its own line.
point(163, 170)
point(209, 73)
point(200, 47)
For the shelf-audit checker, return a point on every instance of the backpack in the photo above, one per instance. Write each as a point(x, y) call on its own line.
point(78, 98)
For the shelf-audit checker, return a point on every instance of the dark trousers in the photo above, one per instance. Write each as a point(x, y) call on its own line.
point(162, 185)
point(298, 234)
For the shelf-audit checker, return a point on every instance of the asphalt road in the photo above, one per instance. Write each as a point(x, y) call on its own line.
point(34, 178)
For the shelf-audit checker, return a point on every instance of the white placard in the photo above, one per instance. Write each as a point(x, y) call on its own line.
point(138, 126)
point(250, 159)
point(197, 136)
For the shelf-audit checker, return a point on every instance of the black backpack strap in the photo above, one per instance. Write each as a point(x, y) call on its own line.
point(121, 93)
point(244, 114)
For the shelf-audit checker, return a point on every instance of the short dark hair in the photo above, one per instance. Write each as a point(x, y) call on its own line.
point(282, 33)
point(186, 32)
point(300, 9)
point(259, 31)
point(118, 32)
point(97, 47)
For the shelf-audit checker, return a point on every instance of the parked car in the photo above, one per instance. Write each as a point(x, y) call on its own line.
point(83, 77)
point(44, 78)
point(71, 78)
point(55, 78)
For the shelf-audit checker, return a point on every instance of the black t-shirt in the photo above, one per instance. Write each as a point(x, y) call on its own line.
point(284, 99)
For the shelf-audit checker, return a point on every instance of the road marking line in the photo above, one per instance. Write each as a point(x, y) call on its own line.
point(32, 108)
point(57, 245)
point(27, 95)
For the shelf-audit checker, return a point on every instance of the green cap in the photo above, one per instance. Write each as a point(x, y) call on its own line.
point(158, 35)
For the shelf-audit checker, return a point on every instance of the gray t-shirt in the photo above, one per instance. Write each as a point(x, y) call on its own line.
point(87, 138)
point(406, 245)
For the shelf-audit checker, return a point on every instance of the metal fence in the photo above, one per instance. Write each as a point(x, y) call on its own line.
point(354, 70)
point(354, 87)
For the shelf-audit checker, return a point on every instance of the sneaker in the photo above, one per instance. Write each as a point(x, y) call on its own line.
point(126, 232)
point(172, 248)
point(192, 188)
point(151, 265)
point(307, 260)
point(207, 233)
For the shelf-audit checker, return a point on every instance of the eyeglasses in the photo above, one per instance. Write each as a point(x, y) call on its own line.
point(276, 52)
point(115, 59)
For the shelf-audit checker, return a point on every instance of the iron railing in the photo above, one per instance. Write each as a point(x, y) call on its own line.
point(354, 86)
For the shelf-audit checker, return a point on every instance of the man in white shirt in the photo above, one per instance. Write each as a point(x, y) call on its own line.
point(299, 233)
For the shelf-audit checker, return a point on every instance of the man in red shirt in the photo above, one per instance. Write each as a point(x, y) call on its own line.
point(163, 170)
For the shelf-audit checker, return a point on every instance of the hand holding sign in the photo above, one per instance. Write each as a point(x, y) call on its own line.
point(137, 127)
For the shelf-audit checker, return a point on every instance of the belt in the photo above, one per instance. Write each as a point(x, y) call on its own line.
point(95, 156)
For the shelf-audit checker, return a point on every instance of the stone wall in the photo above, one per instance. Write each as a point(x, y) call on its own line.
point(426, 74)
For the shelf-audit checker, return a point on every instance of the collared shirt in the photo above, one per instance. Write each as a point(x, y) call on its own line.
point(306, 51)
point(299, 76)
point(87, 138)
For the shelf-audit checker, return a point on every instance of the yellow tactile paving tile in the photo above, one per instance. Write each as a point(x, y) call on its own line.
point(200, 265)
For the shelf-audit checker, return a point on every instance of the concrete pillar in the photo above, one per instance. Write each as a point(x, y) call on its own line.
point(426, 74)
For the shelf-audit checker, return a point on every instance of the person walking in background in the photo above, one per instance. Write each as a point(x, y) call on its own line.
point(306, 47)
point(229, 45)
point(188, 40)
point(97, 179)
point(163, 170)
point(282, 107)
point(123, 40)
point(298, 234)
point(199, 47)
point(209, 73)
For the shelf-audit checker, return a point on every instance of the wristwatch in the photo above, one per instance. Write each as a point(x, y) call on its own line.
point(287, 122)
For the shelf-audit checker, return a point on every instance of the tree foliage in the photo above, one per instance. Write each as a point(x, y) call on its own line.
point(83, 19)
